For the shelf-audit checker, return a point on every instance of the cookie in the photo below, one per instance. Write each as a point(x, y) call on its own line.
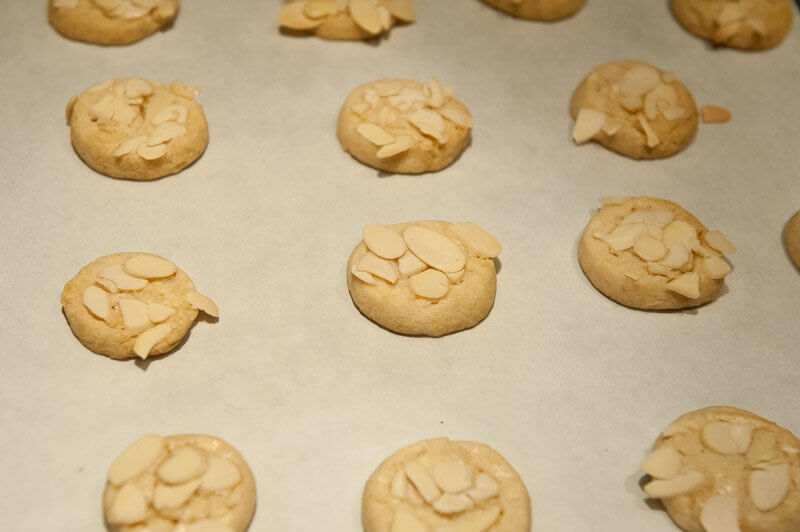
point(538, 9)
point(405, 127)
point(634, 109)
point(184, 483)
point(792, 238)
point(722, 469)
point(746, 24)
point(650, 253)
point(111, 21)
point(427, 278)
point(132, 304)
point(445, 485)
point(345, 19)
point(136, 129)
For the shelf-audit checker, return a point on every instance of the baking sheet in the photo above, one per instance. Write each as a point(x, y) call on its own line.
point(570, 387)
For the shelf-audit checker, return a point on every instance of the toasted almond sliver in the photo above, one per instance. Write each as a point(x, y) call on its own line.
point(401, 9)
point(96, 300)
point(687, 285)
point(165, 133)
point(762, 449)
point(453, 476)
point(384, 241)
point(148, 266)
point(375, 134)
point(678, 485)
point(726, 31)
point(402, 144)
point(679, 232)
point(366, 16)
point(742, 434)
point(720, 514)
point(588, 123)
point(130, 146)
point(151, 153)
point(201, 302)
point(714, 114)
point(292, 16)
point(146, 341)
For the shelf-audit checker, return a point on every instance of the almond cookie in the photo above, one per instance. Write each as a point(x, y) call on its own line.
point(651, 253)
point(447, 486)
point(402, 126)
point(427, 278)
point(722, 469)
point(136, 129)
point(111, 21)
point(746, 24)
point(634, 109)
point(184, 483)
point(345, 19)
point(538, 9)
point(132, 304)
point(792, 237)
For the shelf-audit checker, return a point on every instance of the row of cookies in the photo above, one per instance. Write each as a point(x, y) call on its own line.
point(718, 469)
point(746, 24)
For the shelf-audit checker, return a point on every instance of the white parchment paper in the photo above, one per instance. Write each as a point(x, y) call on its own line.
point(571, 388)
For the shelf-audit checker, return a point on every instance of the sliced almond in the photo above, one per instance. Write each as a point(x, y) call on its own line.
point(658, 216)
point(173, 496)
point(429, 123)
point(158, 312)
point(639, 80)
point(730, 12)
point(673, 430)
point(221, 475)
point(631, 103)
point(720, 514)
point(612, 126)
point(477, 239)
point(453, 476)
point(135, 87)
point(130, 146)
point(97, 301)
point(762, 449)
point(588, 123)
point(456, 114)
point(385, 269)
point(717, 240)
point(769, 485)
point(151, 153)
point(660, 269)
point(363, 276)
point(758, 25)
point(107, 284)
point(146, 341)
point(402, 144)
point(171, 113)
point(137, 458)
point(652, 137)
point(183, 90)
point(663, 463)
point(679, 232)
point(434, 248)
point(134, 314)
point(673, 112)
point(452, 503)
point(384, 241)
point(122, 280)
point(687, 285)
point(716, 267)
point(456, 277)
point(147, 266)
point(717, 437)
point(165, 133)
point(129, 506)
point(387, 88)
point(184, 465)
point(409, 264)
point(725, 32)
point(485, 488)
point(649, 249)
point(401, 9)
point(405, 521)
point(399, 485)
point(320, 8)
point(366, 16)
point(201, 302)
point(622, 237)
point(743, 436)
point(677, 485)
point(386, 17)
point(375, 134)
point(430, 283)
point(292, 16)
point(425, 485)
point(436, 92)
point(651, 110)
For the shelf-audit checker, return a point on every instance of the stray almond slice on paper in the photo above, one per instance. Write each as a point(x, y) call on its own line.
point(587, 124)
point(401, 9)
point(96, 300)
point(201, 302)
point(146, 341)
point(375, 134)
point(714, 114)
point(687, 285)
point(366, 16)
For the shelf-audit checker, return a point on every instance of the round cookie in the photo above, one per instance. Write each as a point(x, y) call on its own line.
point(427, 278)
point(345, 19)
point(746, 24)
point(184, 483)
point(445, 485)
point(538, 9)
point(136, 129)
point(402, 126)
point(722, 469)
point(634, 109)
point(792, 238)
point(132, 304)
point(650, 253)
point(111, 21)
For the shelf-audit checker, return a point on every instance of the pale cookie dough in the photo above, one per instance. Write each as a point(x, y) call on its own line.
point(445, 486)
point(184, 483)
point(427, 278)
point(651, 253)
point(345, 19)
point(402, 126)
point(634, 109)
point(132, 304)
point(137, 129)
point(792, 238)
point(746, 24)
point(111, 21)
point(538, 9)
point(722, 469)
